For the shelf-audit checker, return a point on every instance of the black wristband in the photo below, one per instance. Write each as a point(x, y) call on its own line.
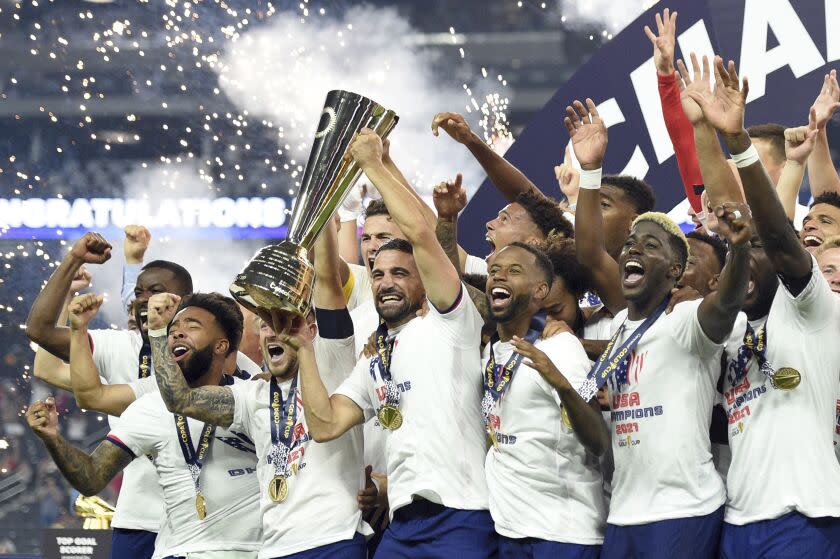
point(334, 324)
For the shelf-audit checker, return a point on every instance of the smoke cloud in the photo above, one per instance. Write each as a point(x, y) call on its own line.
point(610, 15)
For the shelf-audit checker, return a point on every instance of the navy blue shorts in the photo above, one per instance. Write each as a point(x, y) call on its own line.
point(534, 548)
point(354, 548)
point(426, 530)
point(792, 535)
point(695, 537)
point(132, 544)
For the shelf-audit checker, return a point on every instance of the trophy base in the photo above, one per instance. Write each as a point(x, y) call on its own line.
point(279, 277)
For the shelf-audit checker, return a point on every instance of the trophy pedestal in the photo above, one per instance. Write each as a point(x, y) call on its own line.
point(279, 277)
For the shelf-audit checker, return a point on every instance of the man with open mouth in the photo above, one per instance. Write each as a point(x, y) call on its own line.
point(661, 371)
point(537, 422)
point(822, 221)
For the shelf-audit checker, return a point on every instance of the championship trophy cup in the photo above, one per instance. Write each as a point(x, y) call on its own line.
point(280, 277)
point(96, 512)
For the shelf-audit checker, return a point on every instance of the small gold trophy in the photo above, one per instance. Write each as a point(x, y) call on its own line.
point(96, 512)
point(280, 276)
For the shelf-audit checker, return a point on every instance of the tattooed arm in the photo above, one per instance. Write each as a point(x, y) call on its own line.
point(87, 473)
point(211, 404)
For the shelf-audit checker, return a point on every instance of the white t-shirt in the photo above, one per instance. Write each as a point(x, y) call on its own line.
point(781, 440)
point(475, 265)
point(438, 452)
point(362, 287)
point(837, 430)
point(660, 421)
point(542, 483)
point(228, 481)
point(140, 502)
point(365, 321)
point(321, 506)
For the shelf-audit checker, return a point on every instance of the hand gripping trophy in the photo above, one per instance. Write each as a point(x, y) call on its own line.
point(280, 277)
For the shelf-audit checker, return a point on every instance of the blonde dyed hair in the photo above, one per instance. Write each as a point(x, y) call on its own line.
point(665, 223)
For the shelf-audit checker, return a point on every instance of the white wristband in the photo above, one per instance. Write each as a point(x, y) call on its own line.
point(590, 180)
point(746, 158)
point(158, 332)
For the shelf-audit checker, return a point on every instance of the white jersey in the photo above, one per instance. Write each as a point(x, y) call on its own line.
point(140, 502)
point(660, 421)
point(837, 429)
point(475, 265)
point(540, 465)
point(321, 506)
point(781, 440)
point(228, 481)
point(438, 452)
point(362, 290)
point(365, 321)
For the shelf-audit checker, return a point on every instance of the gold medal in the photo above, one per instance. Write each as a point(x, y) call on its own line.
point(200, 506)
point(278, 488)
point(390, 417)
point(786, 378)
point(565, 418)
point(494, 440)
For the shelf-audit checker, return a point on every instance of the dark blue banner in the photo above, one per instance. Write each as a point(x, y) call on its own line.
point(781, 45)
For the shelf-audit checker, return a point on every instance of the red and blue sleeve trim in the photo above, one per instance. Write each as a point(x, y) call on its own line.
point(454, 305)
point(113, 439)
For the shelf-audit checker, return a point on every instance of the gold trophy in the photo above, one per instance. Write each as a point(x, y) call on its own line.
point(280, 277)
point(96, 512)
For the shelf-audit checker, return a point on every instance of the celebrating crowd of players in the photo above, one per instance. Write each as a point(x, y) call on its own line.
point(610, 389)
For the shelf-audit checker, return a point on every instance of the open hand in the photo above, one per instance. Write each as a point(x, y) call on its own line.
point(453, 124)
point(91, 249)
point(296, 332)
point(664, 41)
point(827, 100)
point(588, 133)
point(449, 198)
point(42, 418)
point(162, 308)
point(723, 108)
point(83, 308)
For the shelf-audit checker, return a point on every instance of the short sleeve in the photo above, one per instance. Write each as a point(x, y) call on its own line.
point(356, 387)
point(110, 349)
point(816, 306)
point(245, 364)
point(461, 321)
point(335, 358)
point(245, 398)
point(135, 433)
point(361, 290)
point(683, 325)
point(475, 265)
point(143, 386)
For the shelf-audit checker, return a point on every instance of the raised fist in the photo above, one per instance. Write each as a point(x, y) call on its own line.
point(162, 307)
point(81, 280)
point(91, 249)
point(83, 308)
point(42, 418)
point(137, 239)
point(366, 148)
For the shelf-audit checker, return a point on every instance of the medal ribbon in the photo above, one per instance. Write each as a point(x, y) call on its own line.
point(144, 361)
point(497, 377)
point(382, 361)
point(284, 414)
point(194, 457)
point(755, 345)
point(606, 366)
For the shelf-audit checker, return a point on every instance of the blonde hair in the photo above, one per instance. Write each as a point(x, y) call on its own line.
point(665, 223)
point(828, 244)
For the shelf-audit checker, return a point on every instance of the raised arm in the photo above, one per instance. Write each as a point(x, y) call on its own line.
point(799, 143)
point(509, 180)
point(90, 393)
point(678, 126)
point(440, 278)
point(87, 473)
point(211, 404)
point(719, 309)
point(726, 114)
point(327, 417)
point(721, 184)
point(589, 140)
point(821, 172)
point(42, 322)
point(327, 293)
point(46, 366)
point(450, 198)
point(137, 239)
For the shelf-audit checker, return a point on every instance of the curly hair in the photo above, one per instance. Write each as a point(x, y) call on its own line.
point(563, 256)
point(639, 192)
point(224, 310)
point(546, 214)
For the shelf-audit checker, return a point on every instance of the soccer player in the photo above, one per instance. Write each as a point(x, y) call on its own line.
point(661, 370)
point(423, 385)
point(207, 474)
point(307, 489)
point(546, 440)
point(783, 488)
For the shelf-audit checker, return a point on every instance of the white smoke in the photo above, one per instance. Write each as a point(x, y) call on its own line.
point(611, 15)
point(283, 71)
